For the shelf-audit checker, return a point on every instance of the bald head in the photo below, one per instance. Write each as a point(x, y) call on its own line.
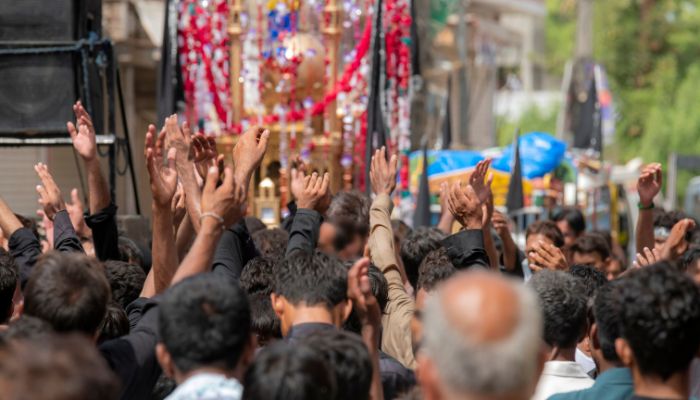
point(482, 334)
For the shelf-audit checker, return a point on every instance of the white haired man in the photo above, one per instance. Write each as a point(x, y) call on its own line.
point(482, 340)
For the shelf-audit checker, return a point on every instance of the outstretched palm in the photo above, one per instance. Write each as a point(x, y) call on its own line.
point(83, 133)
point(163, 176)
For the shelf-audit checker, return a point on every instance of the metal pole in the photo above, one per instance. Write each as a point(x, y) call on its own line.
point(235, 31)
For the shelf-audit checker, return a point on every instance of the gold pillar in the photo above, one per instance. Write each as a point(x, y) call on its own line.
point(235, 31)
point(331, 31)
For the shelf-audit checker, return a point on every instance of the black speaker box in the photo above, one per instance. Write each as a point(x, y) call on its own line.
point(49, 21)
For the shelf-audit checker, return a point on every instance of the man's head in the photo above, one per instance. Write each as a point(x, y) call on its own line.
point(590, 279)
point(115, 324)
point(350, 360)
point(306, 282)
point(416, 246)
point(435, 269)
point(66, 367)
point(8, 285)
point(605, 329)
point(257, 279)
point(204, 322)
point(126, 281)
point(68, 290)
point(563, 305)
point(542, 232)
point(691, 264)
point(349, 215)
point(292, 372)
point(571, 223)
point(271, 243)
point(380, 290)
point(482, 339)
point(660, 321)
point(591, 249)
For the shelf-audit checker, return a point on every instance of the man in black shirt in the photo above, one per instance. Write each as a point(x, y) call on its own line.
point(659, 330)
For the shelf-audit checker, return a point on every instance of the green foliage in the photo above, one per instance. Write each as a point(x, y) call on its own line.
point(533, 119)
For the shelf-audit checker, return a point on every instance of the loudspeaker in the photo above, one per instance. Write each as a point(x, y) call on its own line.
point(51, 55)
point(49, 21)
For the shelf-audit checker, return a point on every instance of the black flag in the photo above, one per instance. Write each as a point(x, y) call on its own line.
point(515, 201)
point(415, 48)
point(447, 123)
point(376, 130)
point(170, 90)
point(422, 215)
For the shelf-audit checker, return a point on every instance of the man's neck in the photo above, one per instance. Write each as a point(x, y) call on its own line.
point(182, 377)
point(675, 387)
point(562, 354)
point(319, 315)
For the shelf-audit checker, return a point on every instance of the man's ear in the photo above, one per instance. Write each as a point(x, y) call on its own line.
point(165, 360)
point(593, 336)
point(277, 304)
point(347, 309)
point(624, 351)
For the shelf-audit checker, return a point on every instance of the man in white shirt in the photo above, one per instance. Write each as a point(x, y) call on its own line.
point(563, 305)
point(205, 338)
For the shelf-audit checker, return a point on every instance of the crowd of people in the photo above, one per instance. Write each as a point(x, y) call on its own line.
point(340, 301)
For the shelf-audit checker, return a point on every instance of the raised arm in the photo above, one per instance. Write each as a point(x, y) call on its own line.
point(310, 191)
point(396, 337)
point(648, 186)
point(367, 310)
point(64, 236)
point(466, 248)
point(221, 207)
point(163, 180)
point(22, 243)
point(481, 181)
point(102, 219)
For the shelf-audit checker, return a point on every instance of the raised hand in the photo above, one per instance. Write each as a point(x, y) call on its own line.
point(465, 206)
point(500, 224)
point(49, 193)
point(649, 184)
point(163, 177)
point(205, 155)
point(547, 256)
point(360, 293)
point(225, 204)
point(296, 179)
point(76, 212)
point(646, 258)
point(249, 152)
point(48, 230)
point(676, 244)
point(382, 173)
point(316, 189)
point(478, 180)
point(83, 135)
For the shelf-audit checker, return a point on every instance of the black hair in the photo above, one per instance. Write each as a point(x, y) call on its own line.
point(573, 216)
point(380, 290)
point(349, 213)
point(8, 285)
point(606, 314)
point(660, 319)
point(416, 246)
point(131, 253)
point(257, 279)
point(163, 388)
point(350, 359)
point(435, 269)
point(591, 243)
point(205, 321)
point(254, 224)
point(400, 229)
point(547, 229)
point(667, 219)
point(690, 258)
point(68, 290)
point(590, 279)
point(563, 307)
point(271, 243)
point(115, 323)
point(30, 224)
point(27, 328)
point(126, 281)
point(283, 371)
point(317, 279)
point(57, 367)
point(258, 275)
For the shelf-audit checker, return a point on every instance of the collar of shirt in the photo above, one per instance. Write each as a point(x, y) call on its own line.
point(208, 385)
point(302, 330)
point(569, 369)
point(615, 376)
